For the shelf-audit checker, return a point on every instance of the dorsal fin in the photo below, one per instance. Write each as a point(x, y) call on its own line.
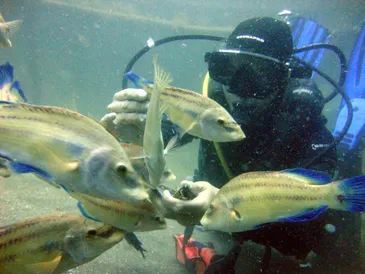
point(316, 177)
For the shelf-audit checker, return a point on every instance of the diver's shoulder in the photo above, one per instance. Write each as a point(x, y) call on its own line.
point(303, 88)
point(303, 95)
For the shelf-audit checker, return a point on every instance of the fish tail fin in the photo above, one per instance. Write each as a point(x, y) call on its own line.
point(11, 27)
point(6, 74)
point(18, 92)
point(351, 194)
point(137, 80)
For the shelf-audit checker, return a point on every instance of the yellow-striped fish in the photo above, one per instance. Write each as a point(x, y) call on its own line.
point(53, 244)
point(129, 217)
point(136, 156)
point(194, 113)
point(9, 90)
point(67, 148)
point(12, 92)
point(6, 30)
point(254, 199)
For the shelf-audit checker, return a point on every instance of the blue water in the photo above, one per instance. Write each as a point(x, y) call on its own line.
point(74, 53)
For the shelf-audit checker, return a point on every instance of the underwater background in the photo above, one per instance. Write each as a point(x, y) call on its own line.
point(73, 54)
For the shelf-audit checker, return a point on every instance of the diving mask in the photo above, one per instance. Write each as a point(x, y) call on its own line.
point(247, 74)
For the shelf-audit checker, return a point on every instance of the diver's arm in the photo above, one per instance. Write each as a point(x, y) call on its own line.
point(303, 99)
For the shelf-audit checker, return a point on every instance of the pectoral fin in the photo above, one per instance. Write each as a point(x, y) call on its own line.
point(183, 131)
point(45, 267)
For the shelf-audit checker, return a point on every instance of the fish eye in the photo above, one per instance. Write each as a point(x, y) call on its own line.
point(220, 121)
point(121, 169)
point(158, 219)
point(236, 214)
point(91, 232)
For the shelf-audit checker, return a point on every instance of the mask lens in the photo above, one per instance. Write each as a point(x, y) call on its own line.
point(220, 68)
point(246, 74)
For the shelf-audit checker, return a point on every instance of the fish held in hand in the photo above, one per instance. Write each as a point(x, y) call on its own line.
point(194, 113)
point(255, 199)
point(66, 148)
point(54, 244)
point(153, 145)
point(129, 217)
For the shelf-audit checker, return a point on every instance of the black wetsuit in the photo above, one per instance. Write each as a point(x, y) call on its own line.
point(290, 137)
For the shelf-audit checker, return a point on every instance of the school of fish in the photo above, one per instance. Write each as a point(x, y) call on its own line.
point(115, 184)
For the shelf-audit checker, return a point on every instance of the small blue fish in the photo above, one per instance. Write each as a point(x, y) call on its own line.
point(10, 91)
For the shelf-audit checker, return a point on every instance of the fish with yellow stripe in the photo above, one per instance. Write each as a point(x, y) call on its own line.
point(64, 147)
point(9, 91)
point(129, 217)
point(54, 244)
point(255, 199)
point(194, 113)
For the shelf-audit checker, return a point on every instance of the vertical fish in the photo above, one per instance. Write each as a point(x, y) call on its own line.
point(136, 156)
point(7, 29)
point(153, 145)
point(254, 199)
point(53, 244)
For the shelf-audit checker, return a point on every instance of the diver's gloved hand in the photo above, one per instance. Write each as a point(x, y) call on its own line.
point(128, 115)
point(189, 212)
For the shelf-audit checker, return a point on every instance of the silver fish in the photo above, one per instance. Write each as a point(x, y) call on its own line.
point(69, 149)
point(54, 244)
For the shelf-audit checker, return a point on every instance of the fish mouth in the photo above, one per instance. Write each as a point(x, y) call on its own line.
point(235, 132)
point(107, 231)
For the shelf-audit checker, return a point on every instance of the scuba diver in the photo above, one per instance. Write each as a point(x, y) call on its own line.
point(254, 76)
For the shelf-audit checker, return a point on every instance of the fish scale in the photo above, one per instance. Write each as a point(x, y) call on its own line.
point(60, 117)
